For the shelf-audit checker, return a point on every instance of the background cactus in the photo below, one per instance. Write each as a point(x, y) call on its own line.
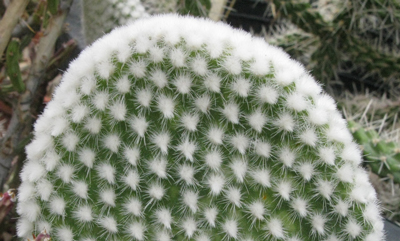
point(101, 16)
point(356, 38)
point(383, 156)
point(373, 123)
point(181, 128)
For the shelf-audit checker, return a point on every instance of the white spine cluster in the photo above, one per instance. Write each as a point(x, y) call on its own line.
point(176, 127)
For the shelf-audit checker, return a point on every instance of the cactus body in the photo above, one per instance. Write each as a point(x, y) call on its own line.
point(176, 128)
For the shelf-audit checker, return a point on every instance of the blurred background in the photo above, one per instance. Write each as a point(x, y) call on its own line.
point(351, 46)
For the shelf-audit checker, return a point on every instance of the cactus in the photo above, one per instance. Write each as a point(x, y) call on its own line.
point(373, 123)
point(178, 128)
point(350, 36)
point(383, 156)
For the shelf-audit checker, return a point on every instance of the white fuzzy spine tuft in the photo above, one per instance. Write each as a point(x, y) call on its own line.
point(159, 167)
point(159, 78)
point(84, 214)
point(213, 160)
point(132, 155)
point(213, 83)
point(210, 215)
point(257, 120)
point(136, 230)
point(190, 199)
point(233, 195)
point(162, 140)
point(215, 135)
point(107, 172)
point(285, 122)
point(44, 188)
point(69, 141)
point(132, 179)
point(109, 224)
point(318, 224)
point(231, 228)
point(216, 183)
point(80, 188)
point(187, 149)
point(79, 113)
point(189, 226)
point(232, 65)
point(107, 196)
point(327, 155)
point(100, 100)
point(164, 217)
point(156, 191)
point(144, 97)
point(284, 188)
point(112, 142)
point(257, 210)
point(65, 173)
point(325, 188)
point(190, 122)
point(186, 173)
point(241, 87)
point(93, 125)
point(275, 228)
point(203, 103)
point(300, 206)
point(231, 112)
point(239, 169)
point(199, 66)
point(123, 85)
point(267, 94)
point(57, 206)
point(138, 69)
point(183, 83)
point(118, 110)
point(262, 177)
point(139, 124)
point(240, 142)
point(87, 157)
point(65, 234)
point(296, 102)
point(24, 228)
point(166, 105)
point(287, 156)
point(309, 137)
point(133, 206)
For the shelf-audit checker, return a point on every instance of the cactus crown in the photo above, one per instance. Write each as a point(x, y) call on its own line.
point(176, 128)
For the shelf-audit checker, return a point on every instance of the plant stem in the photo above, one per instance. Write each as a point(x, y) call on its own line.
point(10, 20)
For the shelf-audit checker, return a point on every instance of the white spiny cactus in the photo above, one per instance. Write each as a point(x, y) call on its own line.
point(177, 128)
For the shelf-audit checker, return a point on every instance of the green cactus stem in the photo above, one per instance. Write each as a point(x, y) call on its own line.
point(382, 156)
point(178, 128)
